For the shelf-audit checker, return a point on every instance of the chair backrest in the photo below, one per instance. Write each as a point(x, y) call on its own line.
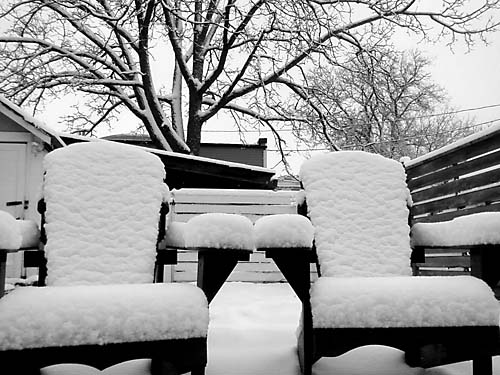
point(103, 204)
point(358, 204)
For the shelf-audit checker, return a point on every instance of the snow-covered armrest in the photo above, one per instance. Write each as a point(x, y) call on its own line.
point(10, 235)
point(470, 230)
point(30, 234)
point(17, 234)
point(283, 231)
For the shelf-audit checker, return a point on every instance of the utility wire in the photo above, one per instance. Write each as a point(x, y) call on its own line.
point(404, 119)
point(380, 142)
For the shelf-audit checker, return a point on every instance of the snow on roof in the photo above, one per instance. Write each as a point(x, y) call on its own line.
point(357, 203)
point(31, 123)
point(209, 160)
point(39, 125)
point(176, 154)
point(103, 202)
point(469, 139)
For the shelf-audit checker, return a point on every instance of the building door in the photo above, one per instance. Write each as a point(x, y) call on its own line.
point(12, 192)
point(12, 178)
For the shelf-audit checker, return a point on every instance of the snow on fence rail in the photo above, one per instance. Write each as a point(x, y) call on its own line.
point(189, 202)
point(459, 179)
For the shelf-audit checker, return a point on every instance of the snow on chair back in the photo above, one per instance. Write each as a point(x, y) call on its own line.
point(103, 202)
point(357, 203)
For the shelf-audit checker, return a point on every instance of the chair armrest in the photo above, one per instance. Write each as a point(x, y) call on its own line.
point(464, 231)
point(479, 234)
point(483, 261)
point(3, 264)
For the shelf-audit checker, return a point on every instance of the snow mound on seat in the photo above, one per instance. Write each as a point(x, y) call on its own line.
point(103, 202)
point(475, 229)
point(339, 302)
point(33, 317)
point(220, 231)
point(10, 235)
point(283, 230)
point(358, 204)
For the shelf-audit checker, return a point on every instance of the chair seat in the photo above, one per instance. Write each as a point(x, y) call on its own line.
point(33, 317)
point(389, 302)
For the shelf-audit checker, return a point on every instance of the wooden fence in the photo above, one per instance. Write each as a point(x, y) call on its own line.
point(462, 178)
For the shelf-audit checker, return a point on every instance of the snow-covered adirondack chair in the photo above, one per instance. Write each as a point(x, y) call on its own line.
point(100, 306)
point(358, 205)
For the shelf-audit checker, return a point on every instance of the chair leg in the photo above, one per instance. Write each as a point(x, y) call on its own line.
point(305, 343)
point(161, 367)
point(482, 365)
point(198, 371)
point(304, 361)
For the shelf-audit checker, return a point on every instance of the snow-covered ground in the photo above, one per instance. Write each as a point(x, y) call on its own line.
point(252, 332)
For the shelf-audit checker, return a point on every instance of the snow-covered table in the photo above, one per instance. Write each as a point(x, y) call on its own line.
point(221, 241)
point(288, 239)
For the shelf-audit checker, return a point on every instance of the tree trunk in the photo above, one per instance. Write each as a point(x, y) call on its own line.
point(194, 135)
point(176, 108)
point(194, 124)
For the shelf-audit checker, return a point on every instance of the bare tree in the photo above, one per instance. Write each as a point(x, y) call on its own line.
point(383, 101)
point(240, 56)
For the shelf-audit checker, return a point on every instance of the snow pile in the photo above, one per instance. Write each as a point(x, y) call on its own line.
point(475, 229)
point(219, 230)
point(97, 314)
point(174, 236)
point(357, 203)
point(283, 230)
point(403, 302)
point(10, 235)
point(103, 202)
point(29, 232)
